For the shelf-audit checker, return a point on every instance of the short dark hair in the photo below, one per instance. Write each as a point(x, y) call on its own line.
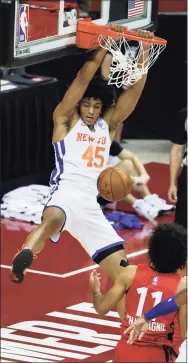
point(168, 248)
point(99, 88)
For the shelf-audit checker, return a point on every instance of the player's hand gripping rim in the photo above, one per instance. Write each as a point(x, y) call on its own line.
point(118, 29)
point(147, 35)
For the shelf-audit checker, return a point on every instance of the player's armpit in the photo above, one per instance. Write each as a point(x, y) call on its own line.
point(126, 103)
point(104, 303)
point(128, 99)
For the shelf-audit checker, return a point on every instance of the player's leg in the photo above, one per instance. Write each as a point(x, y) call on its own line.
point(53, 221)
point(105, 247)
point(128, 167)
point(141, 207)
point(150, 205)
point(138, 204)
point(110, 265)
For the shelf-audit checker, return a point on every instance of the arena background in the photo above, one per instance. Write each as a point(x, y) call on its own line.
point(165, 91)
point(155, 116)
point(55, 293)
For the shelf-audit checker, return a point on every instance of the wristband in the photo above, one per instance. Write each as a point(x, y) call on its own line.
point(165, 307)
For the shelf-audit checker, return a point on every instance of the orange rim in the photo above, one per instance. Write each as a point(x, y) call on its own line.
point(90, 29)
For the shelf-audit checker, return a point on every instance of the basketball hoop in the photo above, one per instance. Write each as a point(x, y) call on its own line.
point(126, 68)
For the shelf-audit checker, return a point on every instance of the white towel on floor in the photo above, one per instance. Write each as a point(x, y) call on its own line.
point(25, 203)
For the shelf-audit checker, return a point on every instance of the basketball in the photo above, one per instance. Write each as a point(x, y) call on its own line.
point(114, 184)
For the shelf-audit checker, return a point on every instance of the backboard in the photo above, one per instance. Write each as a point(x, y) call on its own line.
point(39, 30)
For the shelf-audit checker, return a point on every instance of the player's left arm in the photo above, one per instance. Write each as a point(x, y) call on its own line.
point(104, 303)
point(128, 99)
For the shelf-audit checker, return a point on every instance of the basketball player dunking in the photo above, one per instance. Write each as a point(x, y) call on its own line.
point(85, 124)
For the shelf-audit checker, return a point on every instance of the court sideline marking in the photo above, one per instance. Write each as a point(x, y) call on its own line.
point(76, 272)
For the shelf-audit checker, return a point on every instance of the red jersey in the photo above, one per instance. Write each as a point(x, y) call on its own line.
point(147, 290)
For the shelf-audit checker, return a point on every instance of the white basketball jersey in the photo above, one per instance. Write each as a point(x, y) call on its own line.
point(81, 156)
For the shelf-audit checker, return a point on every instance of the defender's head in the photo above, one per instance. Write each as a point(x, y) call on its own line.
point(97, 98)
point(168, 248)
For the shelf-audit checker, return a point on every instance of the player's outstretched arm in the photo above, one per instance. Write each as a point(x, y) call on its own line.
point(104, 303)
point(78, 87)
point(128, 99)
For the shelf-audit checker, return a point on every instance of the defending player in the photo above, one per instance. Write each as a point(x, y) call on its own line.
point(85, 123)
point(146, 285)
point(165, 307)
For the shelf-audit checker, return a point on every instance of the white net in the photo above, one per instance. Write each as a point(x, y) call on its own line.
point(126, 68)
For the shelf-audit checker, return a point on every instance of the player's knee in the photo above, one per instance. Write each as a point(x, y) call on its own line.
point(53, 219)
point(127, 166)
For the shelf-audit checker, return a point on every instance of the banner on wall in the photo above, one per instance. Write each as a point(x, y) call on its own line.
point(172, 5)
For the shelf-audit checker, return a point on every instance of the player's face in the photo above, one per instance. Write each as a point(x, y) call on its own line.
point(90, 109)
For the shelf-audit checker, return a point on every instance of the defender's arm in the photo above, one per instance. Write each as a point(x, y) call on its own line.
point(176, 156)
point(104, 303)
point(165, 307)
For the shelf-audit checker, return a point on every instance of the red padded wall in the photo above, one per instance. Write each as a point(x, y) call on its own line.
point(172, 5)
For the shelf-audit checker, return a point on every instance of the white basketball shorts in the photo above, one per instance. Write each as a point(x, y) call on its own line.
point(84, 220)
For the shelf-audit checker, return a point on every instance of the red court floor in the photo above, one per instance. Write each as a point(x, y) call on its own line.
point(49, 317)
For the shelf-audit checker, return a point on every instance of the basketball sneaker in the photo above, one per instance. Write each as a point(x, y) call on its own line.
point(22, 260)
point(154, 201)
point(145, 210)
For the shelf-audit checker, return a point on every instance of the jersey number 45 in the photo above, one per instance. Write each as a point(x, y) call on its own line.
point(94, 156)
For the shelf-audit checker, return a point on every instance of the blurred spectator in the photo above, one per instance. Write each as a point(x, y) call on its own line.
point(178, 185)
